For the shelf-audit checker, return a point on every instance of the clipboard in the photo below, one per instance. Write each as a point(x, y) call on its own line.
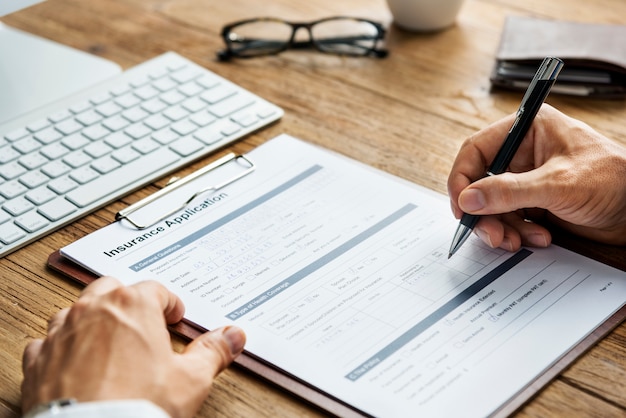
point(280, 378)
point(304, 390)
point(188, 331)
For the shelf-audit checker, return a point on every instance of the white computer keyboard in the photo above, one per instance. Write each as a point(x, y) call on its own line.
point(67, 159)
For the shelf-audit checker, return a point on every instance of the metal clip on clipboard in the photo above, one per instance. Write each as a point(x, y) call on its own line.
point(177, 183)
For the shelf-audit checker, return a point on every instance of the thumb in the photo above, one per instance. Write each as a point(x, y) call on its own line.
point(506, 192)
point(213, 351)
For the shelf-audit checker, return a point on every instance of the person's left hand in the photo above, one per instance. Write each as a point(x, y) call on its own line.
point(113, 344)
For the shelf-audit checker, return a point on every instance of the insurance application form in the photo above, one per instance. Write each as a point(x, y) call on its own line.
point(339, 275)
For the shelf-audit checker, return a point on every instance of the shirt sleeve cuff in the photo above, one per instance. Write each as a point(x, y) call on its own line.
point(134, 408)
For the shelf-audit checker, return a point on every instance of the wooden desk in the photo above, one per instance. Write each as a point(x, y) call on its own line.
point(406, 114)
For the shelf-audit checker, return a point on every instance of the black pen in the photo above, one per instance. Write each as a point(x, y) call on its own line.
point(536, 93)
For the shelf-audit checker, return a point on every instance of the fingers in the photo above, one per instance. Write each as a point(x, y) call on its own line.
point(172, 307)
point(511, 231)
point(213, 351)
point(474, 157)
point(100, 286)
point(57, 320)
point(508, 192)
point(31, 352)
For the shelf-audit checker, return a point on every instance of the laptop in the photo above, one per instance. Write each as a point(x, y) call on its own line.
point(35, 71)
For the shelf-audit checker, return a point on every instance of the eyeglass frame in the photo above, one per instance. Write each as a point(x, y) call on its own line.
point(228, 53)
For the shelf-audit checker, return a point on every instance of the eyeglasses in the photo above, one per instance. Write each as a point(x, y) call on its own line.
point(334, 35)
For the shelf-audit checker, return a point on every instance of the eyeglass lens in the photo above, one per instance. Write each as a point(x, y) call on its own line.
point(340, 36)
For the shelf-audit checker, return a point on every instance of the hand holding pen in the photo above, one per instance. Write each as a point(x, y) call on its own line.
point(533, 99)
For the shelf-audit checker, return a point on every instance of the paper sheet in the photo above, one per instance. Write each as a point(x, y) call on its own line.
point(339, 275)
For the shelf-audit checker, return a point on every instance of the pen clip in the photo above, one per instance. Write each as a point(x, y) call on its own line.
point(173, 185)
point(548, 71)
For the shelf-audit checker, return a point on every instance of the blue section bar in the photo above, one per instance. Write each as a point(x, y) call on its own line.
point(320, 262)
point(440, 313)
point(231, 216)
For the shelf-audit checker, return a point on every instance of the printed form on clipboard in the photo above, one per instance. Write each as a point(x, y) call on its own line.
point(339, 275)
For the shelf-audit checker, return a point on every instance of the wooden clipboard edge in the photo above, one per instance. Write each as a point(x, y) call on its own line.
point(188, 331)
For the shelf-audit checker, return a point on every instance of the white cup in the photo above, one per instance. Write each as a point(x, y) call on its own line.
point(424, 15)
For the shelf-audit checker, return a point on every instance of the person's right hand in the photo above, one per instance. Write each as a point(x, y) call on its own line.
point(564, 172)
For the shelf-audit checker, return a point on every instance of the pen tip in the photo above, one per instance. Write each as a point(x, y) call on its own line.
point(449, 255)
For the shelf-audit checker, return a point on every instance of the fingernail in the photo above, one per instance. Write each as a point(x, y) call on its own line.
point(483, 236)
point(472, 200)
point(506, 244)
point(236, 339)
point(537, 240)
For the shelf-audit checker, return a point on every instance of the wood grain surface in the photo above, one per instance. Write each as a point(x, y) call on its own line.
point(406, 114)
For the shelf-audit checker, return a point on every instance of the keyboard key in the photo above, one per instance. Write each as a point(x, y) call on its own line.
point(186, 146)
point(122, 177)
point(80, 107)
point(208, 135)
point(54, 151)
point(57, 209)
point(154, 106)
point(135, 114)
point(184, 127)
point(31, 221)
point(165, 136)
point(115, 123)
point(12, 170)
point(76, 159)
point(38, 125)
point(17, 206)
point(118, 140)
point(40, 195)
point(176, 113)
point(12, 189)
point(62, 185)
point(83, 175)
point(218, 93)
point(17, 134)
point(33, 160)
point(68, 127)
point(125, 155)
point(8, 153)
point(95, 132)
point(100, 98)
point(59, 116)
point(33, 179)
point(108, 109)
point(146, 92)
point(9, 232)
point(145, 145)
point(89, 117)
point(48, 136)
point(202, 118)
point(97, 149)
point(230, 105)
point(157, 122)
point(55, 169)
point(105, 165)
point(186, 74)
point(172, 97)
point(27, 145)
point(138, 130)
point(164, 84)
point(128, 100)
